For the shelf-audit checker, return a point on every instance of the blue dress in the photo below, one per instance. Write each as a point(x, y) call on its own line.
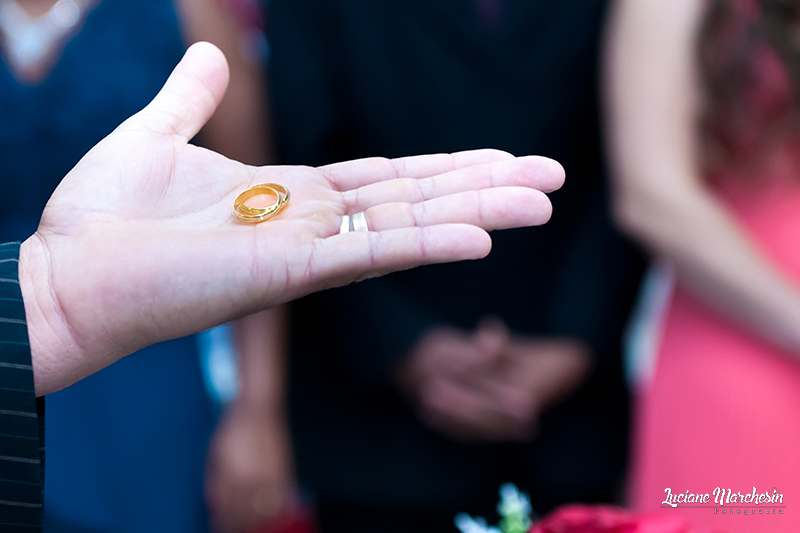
point(126, 446)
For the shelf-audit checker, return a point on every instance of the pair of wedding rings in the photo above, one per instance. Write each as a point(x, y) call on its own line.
point(357, 222)
point(254, 215)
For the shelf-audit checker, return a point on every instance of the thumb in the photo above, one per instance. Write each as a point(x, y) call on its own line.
point(190, 95)
point(492, 336)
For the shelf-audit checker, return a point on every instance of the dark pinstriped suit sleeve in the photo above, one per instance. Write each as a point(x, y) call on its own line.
point(21, 414)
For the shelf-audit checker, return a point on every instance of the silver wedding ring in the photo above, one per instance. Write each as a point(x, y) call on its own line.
point(357, 222)
point(344, 225)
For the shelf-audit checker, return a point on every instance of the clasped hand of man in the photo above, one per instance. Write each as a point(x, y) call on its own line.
point(137, 244)
point(490, 384)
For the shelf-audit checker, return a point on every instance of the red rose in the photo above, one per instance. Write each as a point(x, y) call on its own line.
point(607, 519)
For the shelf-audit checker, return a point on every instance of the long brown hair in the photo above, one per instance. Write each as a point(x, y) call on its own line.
point(749, 60)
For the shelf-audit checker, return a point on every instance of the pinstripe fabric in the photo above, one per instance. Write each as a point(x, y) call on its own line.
point(21, 415)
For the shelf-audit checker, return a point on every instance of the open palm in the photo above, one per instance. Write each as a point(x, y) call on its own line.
point(138, 244)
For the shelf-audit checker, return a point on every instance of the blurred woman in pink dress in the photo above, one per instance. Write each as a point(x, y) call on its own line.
point(705, 133)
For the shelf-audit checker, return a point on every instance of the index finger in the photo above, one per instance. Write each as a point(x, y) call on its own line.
point(354, 174)
point(532, 172)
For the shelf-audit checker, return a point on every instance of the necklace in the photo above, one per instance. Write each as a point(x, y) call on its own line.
point(30, 40)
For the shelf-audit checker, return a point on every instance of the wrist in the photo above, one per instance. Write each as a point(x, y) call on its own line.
point(51, 344)
point(265, 410)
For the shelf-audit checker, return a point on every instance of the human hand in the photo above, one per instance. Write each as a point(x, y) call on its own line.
point(137, 245)
point(250, 472)
point(490, 385)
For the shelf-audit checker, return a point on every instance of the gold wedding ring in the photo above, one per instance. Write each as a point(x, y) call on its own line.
point(254, 215)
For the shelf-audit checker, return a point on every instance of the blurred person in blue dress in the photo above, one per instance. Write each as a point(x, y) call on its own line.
point(125, 447)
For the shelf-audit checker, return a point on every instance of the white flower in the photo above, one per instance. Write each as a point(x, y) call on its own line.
point(512, 502)
point(466, 524)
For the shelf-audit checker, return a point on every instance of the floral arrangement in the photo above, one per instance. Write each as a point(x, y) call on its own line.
point(514, 508)
point(515, 511)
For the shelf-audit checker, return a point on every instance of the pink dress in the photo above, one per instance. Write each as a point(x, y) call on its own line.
point(723, 408)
